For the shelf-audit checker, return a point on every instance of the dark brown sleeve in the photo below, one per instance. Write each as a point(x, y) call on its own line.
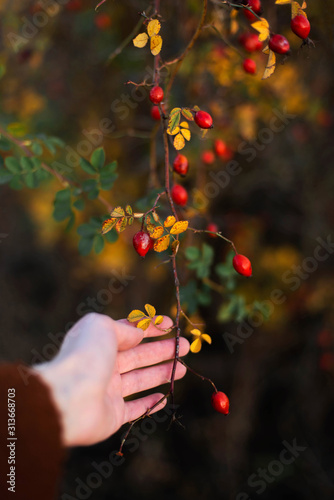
point(37, 453)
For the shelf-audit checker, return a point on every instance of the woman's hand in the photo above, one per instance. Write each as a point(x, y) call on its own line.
point(100, 363)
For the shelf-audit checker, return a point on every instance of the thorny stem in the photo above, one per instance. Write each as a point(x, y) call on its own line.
point(180, 59)
point(61, 178)
point(197, 374)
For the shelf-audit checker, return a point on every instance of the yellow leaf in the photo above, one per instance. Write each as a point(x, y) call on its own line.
point(121, 224)
point(196, 346)
point(271, 65)
point(186, 134)
point(156, 44)
point(179, 227)
point(266, 49)
point(155, 216)
point(140, 41)
point(150, 310)
point(158, 320)
point(144, 323)
point(297, 10)
point(175, 246)
point(162, 243)
point(179, 142)
point(157, 233)
point(169, 221)
point(282, 2)
point(234, 26)
point(196, 332)
point(175, 131)
point(135, 315)
point(117, 212)
point(263, 28)
point(206, 337)
point(153, 27)
point(184, 125)
point(108, 225)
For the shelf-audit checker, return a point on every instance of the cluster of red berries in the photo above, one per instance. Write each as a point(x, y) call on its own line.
point(220, 149)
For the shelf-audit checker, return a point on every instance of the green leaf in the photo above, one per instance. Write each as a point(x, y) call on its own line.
point(37, 149)
point(49, 145)
point(86, 231)
point(85, 245)
point(146, 202)
point(192, 253)
point(63, 195)
point(16, 182)
point(107, 180)
point(187, 114)
point(110, 167)
point(31, 180)
point(79, 204)
point(62, 205)
point(13, 165)
point(98, 244)
point(111, 237)
point(26, 163)
point(98, 158)
point(89, 185)
point(174, 119)
point(87, 167)
point(93, 194)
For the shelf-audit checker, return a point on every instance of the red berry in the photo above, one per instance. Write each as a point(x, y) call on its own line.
point(249, 66)
point(251, 42)
point(155, 113)
point(220, 147)
point(300, 25)
point(255, 5)
point(279, 44)
point(142, 243)
point(213, 228)
point(242, 265)
point(102, 21)
point(181, 165)
point(203, 119)
point(208, 157)
point(220, 402)
point(179, 195)
point(156, 94)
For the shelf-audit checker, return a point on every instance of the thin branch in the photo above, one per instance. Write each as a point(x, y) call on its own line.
point(189, 46)
point(217, 234)
point(197, 374)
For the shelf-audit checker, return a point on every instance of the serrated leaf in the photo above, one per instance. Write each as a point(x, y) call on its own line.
point(187, 114)
point(157, 232)
point(271, 65)
point(179, 142)
point(135, 315)
point(158, 320)
point(150, 310)
point(121, 224)
point(179, 227)
point(141, 40)
point(144, 323)
point(153, 27)
point(117, 212)
point(87, 167)
point(175, 246)
point(174, 120)
point(128, 210)
point(108, 225)
point(170, 221)
point(98, 158)
point(162, 243)
point(263, 28)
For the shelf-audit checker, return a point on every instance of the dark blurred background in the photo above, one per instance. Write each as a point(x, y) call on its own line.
point(278, 375)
